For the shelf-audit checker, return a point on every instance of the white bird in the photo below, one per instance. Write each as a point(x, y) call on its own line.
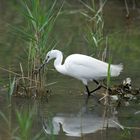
point(82, 67)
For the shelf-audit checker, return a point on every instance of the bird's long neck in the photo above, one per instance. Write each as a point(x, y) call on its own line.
point(58, 63)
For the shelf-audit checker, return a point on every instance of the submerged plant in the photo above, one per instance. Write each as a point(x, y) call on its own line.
point(40, 17)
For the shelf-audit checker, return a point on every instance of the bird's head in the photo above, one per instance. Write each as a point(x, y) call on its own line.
point(50, 55)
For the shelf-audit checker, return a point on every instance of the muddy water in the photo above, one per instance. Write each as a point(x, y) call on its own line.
point(65, 110)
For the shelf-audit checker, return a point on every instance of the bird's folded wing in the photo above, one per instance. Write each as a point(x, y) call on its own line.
point(85, 66)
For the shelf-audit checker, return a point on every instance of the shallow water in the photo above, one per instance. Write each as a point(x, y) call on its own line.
point(65, 108)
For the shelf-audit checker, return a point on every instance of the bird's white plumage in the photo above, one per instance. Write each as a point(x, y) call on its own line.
point(82, 67)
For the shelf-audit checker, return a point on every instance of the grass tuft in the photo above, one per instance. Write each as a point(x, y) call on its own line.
point(39, 18)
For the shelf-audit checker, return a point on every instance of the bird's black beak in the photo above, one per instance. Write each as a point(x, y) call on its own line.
point(41, 67)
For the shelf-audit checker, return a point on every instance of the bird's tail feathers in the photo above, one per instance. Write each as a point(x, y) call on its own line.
point(116, 69)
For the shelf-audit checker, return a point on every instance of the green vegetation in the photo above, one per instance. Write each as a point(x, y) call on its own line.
point(25, 124)
point(94, 31)
point(25, 121)
point(108, 73)
point(39, 18)
point(126, 134)
point(11, 87)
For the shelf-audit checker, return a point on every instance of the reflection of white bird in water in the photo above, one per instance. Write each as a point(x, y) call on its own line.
point(82, 67)
point(78, 124)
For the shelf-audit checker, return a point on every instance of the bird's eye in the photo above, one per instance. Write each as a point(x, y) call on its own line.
point(47, 58)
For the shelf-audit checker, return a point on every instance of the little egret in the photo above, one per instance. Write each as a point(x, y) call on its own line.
point(82, 67)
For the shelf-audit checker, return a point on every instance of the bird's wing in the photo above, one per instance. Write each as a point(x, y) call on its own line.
point(86, 67)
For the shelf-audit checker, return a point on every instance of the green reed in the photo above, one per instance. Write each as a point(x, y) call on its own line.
point(23, 130)
point(7, 116)
point(25, 122)
point(94, 31)
point(39, 17)
point(109, 73)
point(11, 87)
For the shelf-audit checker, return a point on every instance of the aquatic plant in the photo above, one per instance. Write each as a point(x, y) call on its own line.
point(7, 121)
point(25, 122)
point(109, 73)
point(94, 31)
point(7, 117)
point(126, 134)
point(11, 87)
point(106, 97)
point(23, 131)
point(40, 18)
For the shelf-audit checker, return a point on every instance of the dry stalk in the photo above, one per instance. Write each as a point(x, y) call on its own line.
point(29, 86)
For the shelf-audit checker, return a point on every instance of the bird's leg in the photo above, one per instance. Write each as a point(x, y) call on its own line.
point(96, 82)
point(97, 88)
point(87, 94)
point(100, 86)
point(87, 89)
